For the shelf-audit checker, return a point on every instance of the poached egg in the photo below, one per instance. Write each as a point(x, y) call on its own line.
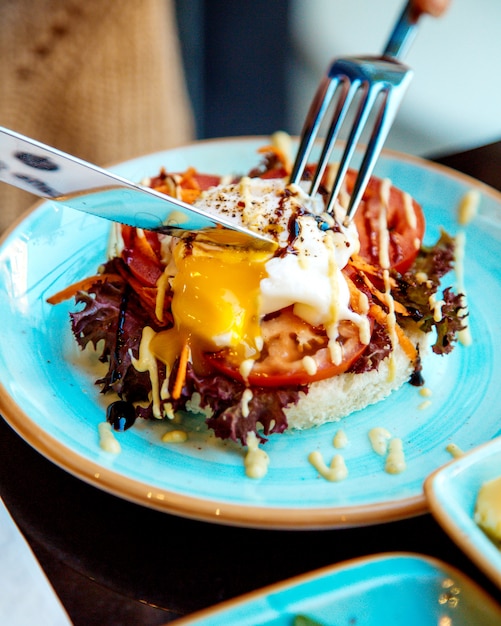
point(221, 293)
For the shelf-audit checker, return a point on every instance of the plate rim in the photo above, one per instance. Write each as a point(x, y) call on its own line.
point(242, 515)
point(436, 565)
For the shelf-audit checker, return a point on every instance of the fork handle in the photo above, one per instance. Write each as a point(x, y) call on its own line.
point(403, 33)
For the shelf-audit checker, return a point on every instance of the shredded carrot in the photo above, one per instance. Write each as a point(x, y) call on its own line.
point(184, 184)
point(81, 285)
point(188, 178)
point(189, 195)
point(373, 289)
point(363, 265)
point(142, 244)
point(181, 372)
point(165, 185)
point(354, 295)
point(277, 152)
point(271, 148)
point(367, 268)
point(380, 315)
point(398, 306)
point(166, 189)
point(407, 346)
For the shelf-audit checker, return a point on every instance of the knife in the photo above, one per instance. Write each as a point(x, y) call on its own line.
point(59, 177)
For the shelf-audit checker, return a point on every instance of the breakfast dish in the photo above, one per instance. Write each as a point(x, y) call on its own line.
point(363, 591)
point(333, 318)
point(49, 396)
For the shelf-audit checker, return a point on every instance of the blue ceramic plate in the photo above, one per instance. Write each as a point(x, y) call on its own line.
point(389, 589)
point(48, 395)
point(452, 492)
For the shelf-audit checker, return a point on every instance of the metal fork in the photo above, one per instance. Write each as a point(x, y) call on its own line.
point(372, 78)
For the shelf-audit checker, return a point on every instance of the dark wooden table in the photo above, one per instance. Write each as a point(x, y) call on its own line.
point(114, 562)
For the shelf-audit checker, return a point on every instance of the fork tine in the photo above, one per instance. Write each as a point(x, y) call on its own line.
point(374, 147)
point(343, 103)
point(369, 95)
point(372, 75)
point(316, 112)
point(392, 96)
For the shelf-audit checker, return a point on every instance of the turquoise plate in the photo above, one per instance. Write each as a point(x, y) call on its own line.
point(49, 396)
point(390, 589)
point(452, 492)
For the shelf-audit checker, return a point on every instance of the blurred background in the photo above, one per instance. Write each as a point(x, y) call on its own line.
point(104, 81)
point(252, 66)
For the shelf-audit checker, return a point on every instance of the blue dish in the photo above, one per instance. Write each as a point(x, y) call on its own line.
point(391, 589)
point(47, 391)
point(452, 491)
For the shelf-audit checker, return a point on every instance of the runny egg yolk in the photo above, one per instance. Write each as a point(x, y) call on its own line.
point(215, 301)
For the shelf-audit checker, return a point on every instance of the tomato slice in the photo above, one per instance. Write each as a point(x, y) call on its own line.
point(405, 222)
point(206, 181)
point(287, 341)
point(142, 256)
point(277, 172)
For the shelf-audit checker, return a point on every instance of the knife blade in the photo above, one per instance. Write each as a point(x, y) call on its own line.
point(67, 180)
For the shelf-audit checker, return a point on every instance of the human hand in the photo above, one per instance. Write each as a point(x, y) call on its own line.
point(435, 8)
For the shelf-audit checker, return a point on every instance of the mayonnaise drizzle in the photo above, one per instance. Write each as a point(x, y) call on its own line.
point(384, 234)
point(162, 286)
point(468, 206)
point(395, 461)
point(107, 439)
point(454, 450)
point(256, 460)
point(175, 436)
point(410, 213)
point(340, 439)
point(384, 444)
point(310, 365)
point(424, 405)
point(337, 470)
point(436, 307)
point(466, 212)
point(246, 368)
point(148, 363)
point(244, 402)
point(379, 437)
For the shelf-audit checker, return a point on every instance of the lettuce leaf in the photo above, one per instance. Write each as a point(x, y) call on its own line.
point(417, 287)
point(112, 319)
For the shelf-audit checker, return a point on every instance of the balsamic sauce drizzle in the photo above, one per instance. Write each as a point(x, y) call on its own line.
point(120, 414)
point(120, 336)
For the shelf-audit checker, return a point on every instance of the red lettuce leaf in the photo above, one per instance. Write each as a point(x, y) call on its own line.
point(414, 293)
point(112, 315)
point(378, 349)
point(224, 397)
